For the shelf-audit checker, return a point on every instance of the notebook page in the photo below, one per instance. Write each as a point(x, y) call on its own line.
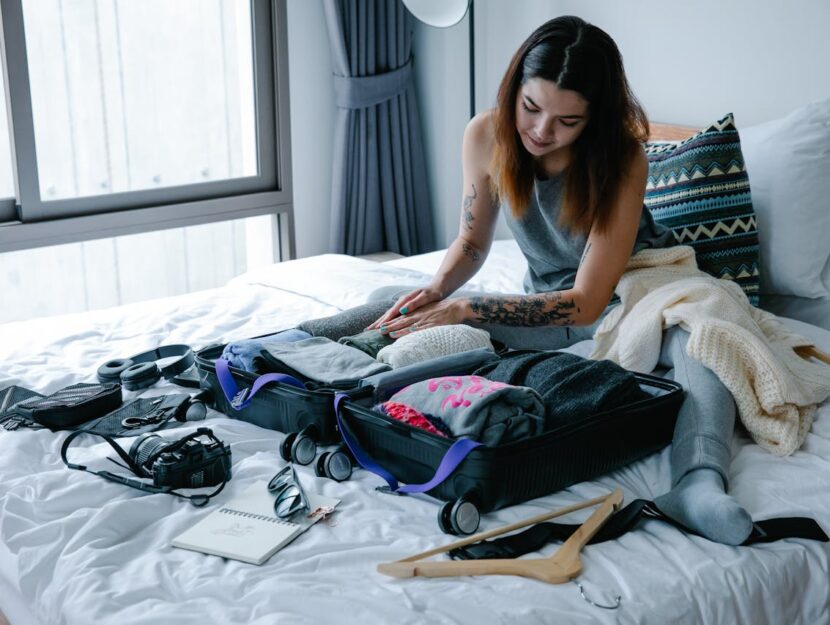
point(246, 527)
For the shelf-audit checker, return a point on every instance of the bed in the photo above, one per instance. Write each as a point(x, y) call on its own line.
point(75, 549)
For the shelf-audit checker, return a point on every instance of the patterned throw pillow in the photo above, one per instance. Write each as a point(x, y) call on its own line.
point(699, 188)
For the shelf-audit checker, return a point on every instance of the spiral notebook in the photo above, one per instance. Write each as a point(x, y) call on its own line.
point(247, 529)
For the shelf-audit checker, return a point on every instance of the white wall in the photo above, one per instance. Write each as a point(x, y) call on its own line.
point(442, 84)
point(311, 90)
point(441, 80)
point(689, 63)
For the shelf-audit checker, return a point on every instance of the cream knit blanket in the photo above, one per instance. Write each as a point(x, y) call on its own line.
point(776, 390)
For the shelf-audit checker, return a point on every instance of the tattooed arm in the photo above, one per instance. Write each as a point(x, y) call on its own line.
point(558, 308)
point(479, 212)
point(466, 254)
point(603, 262)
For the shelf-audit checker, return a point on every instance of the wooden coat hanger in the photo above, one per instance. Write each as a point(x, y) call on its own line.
point(561, 567)
point(811, 351)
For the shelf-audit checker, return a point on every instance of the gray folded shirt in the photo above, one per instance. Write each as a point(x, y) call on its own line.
point(462, 363)
point(490, 412)
point(323, 361)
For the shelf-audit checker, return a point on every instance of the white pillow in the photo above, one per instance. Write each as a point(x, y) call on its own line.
point(788, 163)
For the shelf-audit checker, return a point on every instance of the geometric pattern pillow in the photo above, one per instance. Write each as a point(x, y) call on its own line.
point(699, 189)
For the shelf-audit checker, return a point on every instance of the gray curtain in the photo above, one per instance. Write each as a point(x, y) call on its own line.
point(380, 200)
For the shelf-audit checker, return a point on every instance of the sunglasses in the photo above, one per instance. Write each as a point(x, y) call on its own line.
point(290, 496)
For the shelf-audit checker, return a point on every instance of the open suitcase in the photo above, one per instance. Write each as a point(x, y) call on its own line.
point(489, 478)
point(306, 416)
point(280, 402)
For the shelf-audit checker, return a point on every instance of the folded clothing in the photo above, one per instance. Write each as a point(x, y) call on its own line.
point(478, 408)
point(319, 362)
point(369, 342)
point(432, 343)
point(241, 354)
point(347, 323)
point(410, 416)
point(462, 363)
point(571, 387)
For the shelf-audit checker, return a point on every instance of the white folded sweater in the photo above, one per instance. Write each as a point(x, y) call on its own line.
point(432, 343)
point(750, 350)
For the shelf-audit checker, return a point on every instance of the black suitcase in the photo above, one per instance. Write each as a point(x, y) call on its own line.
point(307, 416)
point(490, 478)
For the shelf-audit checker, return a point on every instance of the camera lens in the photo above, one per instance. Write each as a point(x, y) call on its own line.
point(145, 447)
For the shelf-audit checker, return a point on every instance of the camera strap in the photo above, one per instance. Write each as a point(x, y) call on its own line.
point(196, 500)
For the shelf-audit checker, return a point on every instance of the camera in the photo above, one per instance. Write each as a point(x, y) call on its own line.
point(185, 463)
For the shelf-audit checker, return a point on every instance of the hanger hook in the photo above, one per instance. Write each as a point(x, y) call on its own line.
point(617, 598)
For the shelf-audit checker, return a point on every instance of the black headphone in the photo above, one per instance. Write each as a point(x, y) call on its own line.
point(141, 371)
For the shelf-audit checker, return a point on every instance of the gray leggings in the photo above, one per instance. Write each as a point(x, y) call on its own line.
point(706, 420)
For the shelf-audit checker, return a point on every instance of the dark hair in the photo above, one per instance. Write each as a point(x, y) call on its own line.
point(580, 57)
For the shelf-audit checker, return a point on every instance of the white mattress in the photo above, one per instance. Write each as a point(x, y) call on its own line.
point(75, 549)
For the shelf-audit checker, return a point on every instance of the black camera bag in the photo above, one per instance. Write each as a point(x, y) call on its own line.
point(71, 406)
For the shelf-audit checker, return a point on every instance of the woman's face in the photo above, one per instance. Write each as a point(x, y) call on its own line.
point(549, 118)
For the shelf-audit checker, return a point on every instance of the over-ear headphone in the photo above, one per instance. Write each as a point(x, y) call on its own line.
point(141, 371)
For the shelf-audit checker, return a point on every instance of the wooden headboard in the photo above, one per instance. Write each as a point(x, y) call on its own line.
point(670, 132)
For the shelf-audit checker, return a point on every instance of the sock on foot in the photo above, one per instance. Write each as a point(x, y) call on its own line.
point(699, 502)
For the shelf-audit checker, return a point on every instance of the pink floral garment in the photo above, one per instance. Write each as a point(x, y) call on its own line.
point(473, 406)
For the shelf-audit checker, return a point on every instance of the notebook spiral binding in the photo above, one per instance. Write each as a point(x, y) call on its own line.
point(250, 515)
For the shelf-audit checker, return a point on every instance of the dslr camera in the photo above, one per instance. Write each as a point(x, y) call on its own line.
point(185, 463)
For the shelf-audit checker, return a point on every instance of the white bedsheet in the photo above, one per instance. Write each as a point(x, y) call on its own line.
point(75, 549)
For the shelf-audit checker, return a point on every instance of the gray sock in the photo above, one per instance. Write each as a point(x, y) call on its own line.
point(699, 502)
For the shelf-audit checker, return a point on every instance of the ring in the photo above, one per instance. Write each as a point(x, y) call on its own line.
point(414, 327)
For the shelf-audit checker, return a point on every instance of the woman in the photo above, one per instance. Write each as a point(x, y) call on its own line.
point(562, 153)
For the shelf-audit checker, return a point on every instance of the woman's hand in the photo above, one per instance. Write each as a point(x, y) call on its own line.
point(407, 304)
point(444, 312)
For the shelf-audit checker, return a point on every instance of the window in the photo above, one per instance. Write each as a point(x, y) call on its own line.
point(76, 277)
point(130, 116)
point(133, 95)
point(6, 173)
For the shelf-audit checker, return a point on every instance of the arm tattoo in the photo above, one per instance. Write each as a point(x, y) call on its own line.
point(584, 254)
point(469, 251)
point(468, 214)
point(534, 310)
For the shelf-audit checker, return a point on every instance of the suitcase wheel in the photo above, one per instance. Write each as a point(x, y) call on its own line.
point(460, 517)
point(335, 465)
point(298, 447)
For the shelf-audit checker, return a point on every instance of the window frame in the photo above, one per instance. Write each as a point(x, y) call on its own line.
point(27, 221)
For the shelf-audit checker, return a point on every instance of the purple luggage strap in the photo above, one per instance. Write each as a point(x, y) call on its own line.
point(239, 399)
point(454, 456)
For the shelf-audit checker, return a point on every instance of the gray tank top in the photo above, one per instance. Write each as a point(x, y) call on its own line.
point(553, 253)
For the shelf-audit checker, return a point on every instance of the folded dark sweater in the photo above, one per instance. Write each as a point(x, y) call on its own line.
point(571, 387)
point(369, 342)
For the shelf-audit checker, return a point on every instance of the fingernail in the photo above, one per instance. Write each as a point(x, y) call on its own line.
point(404, 310)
